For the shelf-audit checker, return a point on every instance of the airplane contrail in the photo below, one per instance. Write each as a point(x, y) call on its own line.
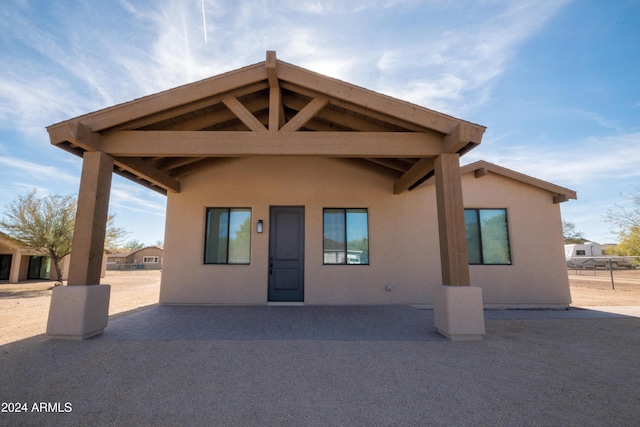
point(204, 24)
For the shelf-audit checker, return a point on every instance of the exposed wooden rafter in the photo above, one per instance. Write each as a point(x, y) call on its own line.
point(148, 172)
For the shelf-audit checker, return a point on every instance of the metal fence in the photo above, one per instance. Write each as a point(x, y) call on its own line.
point(112, 266)
point(613, 268)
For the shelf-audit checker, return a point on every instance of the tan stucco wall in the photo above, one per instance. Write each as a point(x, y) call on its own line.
point(403, 237)
point(538, 274)
point(151, 251)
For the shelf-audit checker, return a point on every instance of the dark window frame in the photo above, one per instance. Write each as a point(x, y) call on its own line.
point(480, 237)
point(346, 242)
point(206, 234)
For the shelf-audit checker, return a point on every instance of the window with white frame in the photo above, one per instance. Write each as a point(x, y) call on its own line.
point(150, 260)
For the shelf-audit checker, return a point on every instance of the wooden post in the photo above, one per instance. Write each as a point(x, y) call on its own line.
point(457, 306)
point(82, 311)
point(454, 258)
point(91, 219)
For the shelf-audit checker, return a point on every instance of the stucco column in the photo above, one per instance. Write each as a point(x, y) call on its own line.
point(81, 309)
point(458, 307)
point(14, 272)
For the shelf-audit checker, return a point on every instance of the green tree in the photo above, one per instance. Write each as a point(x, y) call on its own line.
point(626, 221)
point(115, 235)
point(629, 243)
point(132, 246)
point(45, 225)
point(571, 234)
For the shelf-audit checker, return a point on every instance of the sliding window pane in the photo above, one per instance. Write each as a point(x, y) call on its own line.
point(357, 236)
point(239, 236)
point(216, 241)
point(495, 236)
point(473, 236)
point(334, 236)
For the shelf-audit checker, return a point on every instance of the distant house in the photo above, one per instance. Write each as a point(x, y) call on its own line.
point(148, 258)
point(18, 263)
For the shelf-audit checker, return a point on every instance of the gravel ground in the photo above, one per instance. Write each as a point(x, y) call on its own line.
point(597, 291)
point(24, 307)
point(581, 372)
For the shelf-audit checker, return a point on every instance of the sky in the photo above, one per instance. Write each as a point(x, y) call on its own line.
point(555, 82)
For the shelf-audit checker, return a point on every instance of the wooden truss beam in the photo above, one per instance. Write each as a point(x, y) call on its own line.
point(243, 114)
point(306, 114)
point(243, 144)
point(414, 175)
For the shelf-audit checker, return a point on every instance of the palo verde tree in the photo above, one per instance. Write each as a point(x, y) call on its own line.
point(626, 221)
point(571, 234)
point(45, 225)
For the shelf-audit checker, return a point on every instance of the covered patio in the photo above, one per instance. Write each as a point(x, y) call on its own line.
point(268, 110)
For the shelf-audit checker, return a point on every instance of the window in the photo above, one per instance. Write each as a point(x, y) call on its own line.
point(228, 236)
point(5, 266)
point(149, 259)
point(487, 236)
point(346, 236)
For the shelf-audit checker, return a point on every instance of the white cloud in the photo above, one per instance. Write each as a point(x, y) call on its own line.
point(17, 167)
point(590, 161)
point(127, 196)
point(473, 54)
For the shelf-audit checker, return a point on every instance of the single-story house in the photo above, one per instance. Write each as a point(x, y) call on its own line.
point(18, 263)
point(287, 186)
point(147, 258)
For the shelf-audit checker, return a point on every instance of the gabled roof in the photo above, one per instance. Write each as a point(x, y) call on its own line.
point(482, 168)
point(267, 109)
point(10, 241)
point(145, 248)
